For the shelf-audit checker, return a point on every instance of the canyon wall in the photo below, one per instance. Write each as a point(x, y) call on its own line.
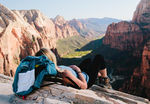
point(133, 37)
point(123, 36)
point(139, 84)
point(142, 14)
point(133, 34)
point(24, 32)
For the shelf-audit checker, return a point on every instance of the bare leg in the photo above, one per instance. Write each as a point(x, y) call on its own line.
point(102, 73)
point(103, 79)
point(99, 74)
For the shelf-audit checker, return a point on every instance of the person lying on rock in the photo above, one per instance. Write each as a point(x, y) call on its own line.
point(74, 76)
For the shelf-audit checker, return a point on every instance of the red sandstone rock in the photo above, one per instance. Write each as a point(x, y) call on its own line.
point(126, 35)
point(77, 24)
point(142, 14)
point(64, 28)
point(123, 35)
point(83, 29)
point(140, 80)
point(145, 67)
point(131, 37)
point(24, 32)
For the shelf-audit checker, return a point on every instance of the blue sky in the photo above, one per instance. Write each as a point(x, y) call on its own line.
point(69, 9)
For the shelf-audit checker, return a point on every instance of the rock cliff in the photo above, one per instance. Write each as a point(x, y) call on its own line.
point(123, 36)
point(140, 80)
point(18, 39)
point(82, 28)
point(55, 93)
point(133, 38)
point(130, 35)
point(24, 32)
point(77, 25)
point(64, 28)
point(142, 14)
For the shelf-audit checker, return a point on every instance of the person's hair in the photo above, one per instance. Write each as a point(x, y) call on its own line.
point(50, 55)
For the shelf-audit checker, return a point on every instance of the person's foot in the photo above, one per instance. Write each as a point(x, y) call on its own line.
point(105, 82)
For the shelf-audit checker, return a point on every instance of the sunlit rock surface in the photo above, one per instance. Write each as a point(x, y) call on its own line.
point(24, 32)
point(59, 94)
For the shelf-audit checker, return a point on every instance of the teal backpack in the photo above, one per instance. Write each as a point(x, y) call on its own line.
point(30, 73)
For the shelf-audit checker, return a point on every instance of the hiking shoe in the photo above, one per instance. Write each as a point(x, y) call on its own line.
point(105, 82)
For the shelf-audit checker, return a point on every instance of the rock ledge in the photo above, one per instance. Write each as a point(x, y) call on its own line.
point(59, 94)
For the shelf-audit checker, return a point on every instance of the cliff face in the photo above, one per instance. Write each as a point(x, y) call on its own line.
point(77, 25)
point(57, 28)
point(82, 28)
point(18, 39)
point(63, 28)
point(133, 37)
point(38, 21)
point(130, 35)
point(145, 66)
point(142, 14)
point(139, 83)
point(123, 36)
point(23, 33)
point(145, 70)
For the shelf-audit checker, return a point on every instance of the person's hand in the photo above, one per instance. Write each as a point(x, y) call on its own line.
point(76, 68)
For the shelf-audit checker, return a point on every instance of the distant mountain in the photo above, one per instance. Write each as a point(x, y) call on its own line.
point(92, 26)
point(98, 24)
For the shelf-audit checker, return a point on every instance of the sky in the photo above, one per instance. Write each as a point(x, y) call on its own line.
point(70, 9)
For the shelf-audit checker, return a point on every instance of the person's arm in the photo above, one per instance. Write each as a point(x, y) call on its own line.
point(78, 70)
point(81, 82)
point(81, 77)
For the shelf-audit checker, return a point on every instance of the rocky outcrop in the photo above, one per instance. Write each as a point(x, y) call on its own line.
point(123, 36)
point(142, 14)
point(55, 93)
point(130, 35)
point(24, 32)
point(63, 29)
point(41, 23)
point(56, 28)
point(77, 25)
point(145, 66)
point(133, 38)
point(144, 71)
point(17, 40)
point(140, 80)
